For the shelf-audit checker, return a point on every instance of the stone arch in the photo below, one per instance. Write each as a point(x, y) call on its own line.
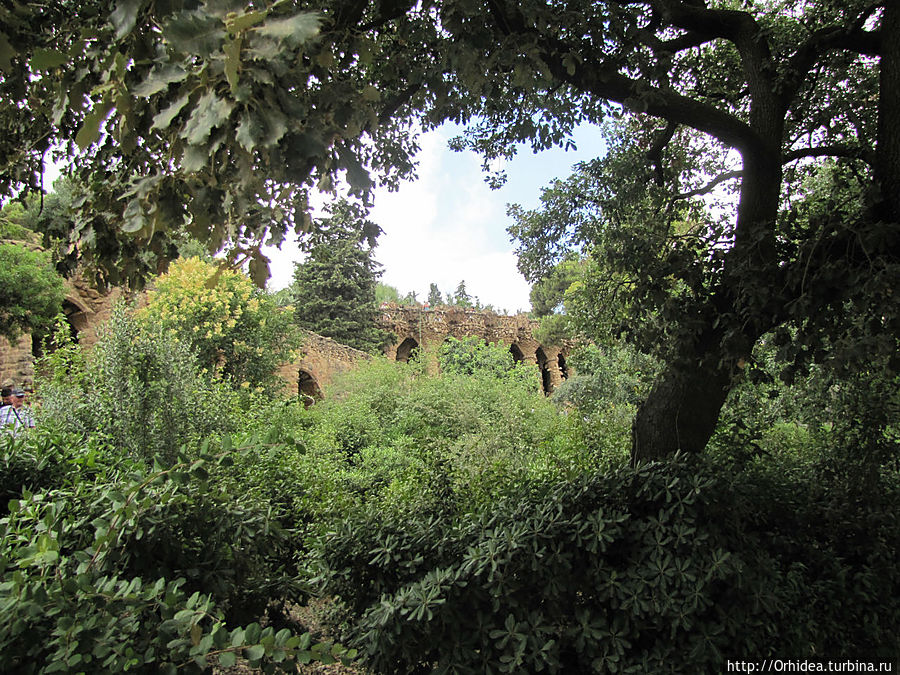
point(75, 314)
point(517, 354)
point(563, 366)
point(408, 350)
point(542, 362)
point(308, 389)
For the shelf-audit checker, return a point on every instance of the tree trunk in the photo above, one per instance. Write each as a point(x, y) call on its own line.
point(680, 413)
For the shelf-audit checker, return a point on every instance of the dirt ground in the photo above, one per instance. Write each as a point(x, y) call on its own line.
point(307, 617)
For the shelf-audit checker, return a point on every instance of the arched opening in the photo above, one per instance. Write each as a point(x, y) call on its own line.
point(517, 354)
point(546, 382)
point(308, 389)
point(563, 368)
point(39, 339)
point(408, 350)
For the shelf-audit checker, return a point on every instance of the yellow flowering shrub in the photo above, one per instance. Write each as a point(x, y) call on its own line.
point(230, 324)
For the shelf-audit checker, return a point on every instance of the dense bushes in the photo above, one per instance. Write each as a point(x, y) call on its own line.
point(463, 522)
point(666, 568)
point(390, 432)
point(123, 568)
point(141, 389)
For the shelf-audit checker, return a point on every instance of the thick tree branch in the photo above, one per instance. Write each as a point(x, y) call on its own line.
point(654, 154)
point(602, 81)
point(710, 186)
point(848, 151)
point(698, 19)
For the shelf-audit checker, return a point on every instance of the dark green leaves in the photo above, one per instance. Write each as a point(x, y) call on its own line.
point(196, 33)
point(164, 118)
point(159, 79)
point(44, 59)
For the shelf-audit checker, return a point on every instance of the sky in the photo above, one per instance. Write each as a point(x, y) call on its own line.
point(449, 226)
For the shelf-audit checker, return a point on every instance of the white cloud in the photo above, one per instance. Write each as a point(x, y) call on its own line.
point(449, 226)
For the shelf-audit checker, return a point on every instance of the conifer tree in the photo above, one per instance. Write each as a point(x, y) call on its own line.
point(333, 292)
point(434, 295)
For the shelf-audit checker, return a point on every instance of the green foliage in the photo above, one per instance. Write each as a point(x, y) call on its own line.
point(12, 224)
point(461, 297)
point(781, 406)
point(434, 295)
point(233, 328)
point(211, 104)
point(671, 567)
point(32, 290)
point(386, 293)
point(609, 374)
point(389, 294)
point(548, 293)
point(334, 288)
point(104, 572)
point(553, 329)
point(610, 381)
point(141, 389)
point(548, 301)
point(389, 433)
point(473, 355)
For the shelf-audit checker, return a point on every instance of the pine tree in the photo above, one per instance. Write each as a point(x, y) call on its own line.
point(434, 296)
point(333, 291)
point(461, 297)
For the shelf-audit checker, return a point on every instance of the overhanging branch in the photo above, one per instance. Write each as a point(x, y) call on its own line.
point(710, 186)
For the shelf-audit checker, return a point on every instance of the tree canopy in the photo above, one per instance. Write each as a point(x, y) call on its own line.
point(220, 116)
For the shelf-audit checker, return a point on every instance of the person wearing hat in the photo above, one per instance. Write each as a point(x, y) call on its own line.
point(15, 417)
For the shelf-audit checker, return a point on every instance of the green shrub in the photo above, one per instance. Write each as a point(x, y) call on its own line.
point(473, 355)
point(231, 326)
point(670, 568)
point(127, 569)
point(36, 461)
point(388, 431)
point(32, 290)
point(140, 388)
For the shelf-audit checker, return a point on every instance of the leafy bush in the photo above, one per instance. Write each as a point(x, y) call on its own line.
point(140, 388)
point(662, 568)
point(388, 431)
point(614, 374)
point(32, 290)
point(472, 354)
point(824, 410)
point(124, 568)
point(231, 326)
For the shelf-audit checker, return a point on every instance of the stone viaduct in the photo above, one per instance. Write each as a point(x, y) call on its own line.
point(422, 329)
point(419, 334)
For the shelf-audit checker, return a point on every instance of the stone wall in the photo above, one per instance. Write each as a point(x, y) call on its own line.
point(426, 329)
point(85, 308)
point(416, 328)
point(320, 360)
